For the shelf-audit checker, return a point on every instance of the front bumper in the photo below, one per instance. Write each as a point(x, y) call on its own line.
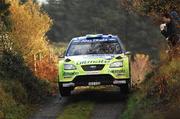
point(94, 80)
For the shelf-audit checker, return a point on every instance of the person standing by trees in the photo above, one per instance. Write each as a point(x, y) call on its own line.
point(168, 30)
point(174, 14)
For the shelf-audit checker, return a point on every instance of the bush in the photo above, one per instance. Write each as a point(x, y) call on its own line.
point(14, 68)
point(16, 90)
point(9, 108)
point(12, 65)
point(158, 96)
point(19, 87)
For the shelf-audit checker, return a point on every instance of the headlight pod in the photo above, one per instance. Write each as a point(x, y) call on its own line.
point(69, 67)
point(116, 64)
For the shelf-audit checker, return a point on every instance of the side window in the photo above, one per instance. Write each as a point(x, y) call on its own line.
point(122, 46)
point(117, 48)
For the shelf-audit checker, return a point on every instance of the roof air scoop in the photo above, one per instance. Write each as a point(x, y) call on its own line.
point(110, 35)
point(94, 36)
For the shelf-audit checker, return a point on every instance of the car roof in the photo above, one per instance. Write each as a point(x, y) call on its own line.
point(94, 36)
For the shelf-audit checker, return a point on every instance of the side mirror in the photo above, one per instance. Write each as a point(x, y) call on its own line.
point(60, 56)
point(128, 53)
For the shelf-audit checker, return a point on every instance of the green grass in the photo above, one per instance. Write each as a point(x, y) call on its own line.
point(140, 107)
point(77, 110)
point(11, 106)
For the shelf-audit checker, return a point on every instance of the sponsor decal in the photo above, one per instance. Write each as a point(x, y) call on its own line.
point(95, 40)
point(118, 71)
point(93, 62)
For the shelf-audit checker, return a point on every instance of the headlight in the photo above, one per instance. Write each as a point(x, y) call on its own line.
point(69, 67)
point(116, 64)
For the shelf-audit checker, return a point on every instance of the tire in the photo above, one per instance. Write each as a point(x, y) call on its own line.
point(125, 88)
point(64, 91)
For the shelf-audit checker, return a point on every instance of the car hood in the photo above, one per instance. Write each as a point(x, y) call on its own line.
point(92, 59)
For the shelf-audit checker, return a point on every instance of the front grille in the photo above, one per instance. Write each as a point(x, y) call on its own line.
point(84, 80)
point(92, 67)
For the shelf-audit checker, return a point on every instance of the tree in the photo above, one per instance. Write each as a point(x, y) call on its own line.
point(5, 42)
point(29, 27)
point(4, 13)
point(151, 7)
point(80, 17)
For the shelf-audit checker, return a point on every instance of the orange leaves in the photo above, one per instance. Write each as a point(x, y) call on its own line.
point(46, 68)
point(29, 27)
point(140, 67)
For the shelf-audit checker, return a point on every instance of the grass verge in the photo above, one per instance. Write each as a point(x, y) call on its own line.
point(158, 96)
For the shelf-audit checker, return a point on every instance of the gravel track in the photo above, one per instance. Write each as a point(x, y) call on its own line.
point(51, 109)
point(109, 104)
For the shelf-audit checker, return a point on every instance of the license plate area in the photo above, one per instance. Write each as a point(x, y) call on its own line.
point(92, 72)
point(94, 83)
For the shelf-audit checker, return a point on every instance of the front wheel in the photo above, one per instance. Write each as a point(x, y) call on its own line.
point(125, 88)
point(64, 91)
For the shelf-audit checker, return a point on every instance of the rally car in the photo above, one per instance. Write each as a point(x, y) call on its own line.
point(94, 60)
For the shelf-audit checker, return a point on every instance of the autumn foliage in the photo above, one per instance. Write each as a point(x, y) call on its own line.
point(29, 27)
point(26, 57)
point(140, 67)
point(46, 68)
point(151, 6)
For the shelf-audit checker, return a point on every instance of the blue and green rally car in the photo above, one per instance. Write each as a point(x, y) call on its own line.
point(94, 60)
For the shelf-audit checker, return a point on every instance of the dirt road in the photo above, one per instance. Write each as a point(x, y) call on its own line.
point(109, 104)
point(51, 109)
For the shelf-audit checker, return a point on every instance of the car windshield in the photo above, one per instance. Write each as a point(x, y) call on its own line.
point(94, 46)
